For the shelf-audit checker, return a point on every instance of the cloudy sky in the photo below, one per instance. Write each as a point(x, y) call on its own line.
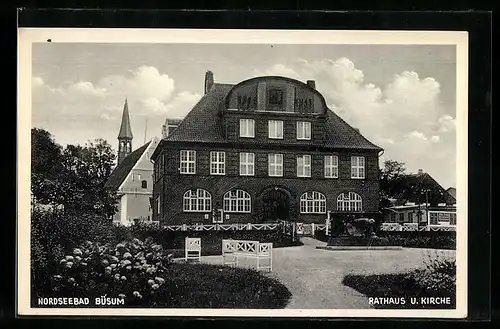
point(401, 97)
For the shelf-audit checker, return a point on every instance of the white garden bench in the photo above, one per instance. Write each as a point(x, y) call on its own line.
point(232, 250)
point(192, 249)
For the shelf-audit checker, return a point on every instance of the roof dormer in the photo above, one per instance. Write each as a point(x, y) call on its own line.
point(275, 94)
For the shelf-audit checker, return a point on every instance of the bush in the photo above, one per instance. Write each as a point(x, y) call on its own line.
point(132, 269)
point(425, 239)
point(439, 274)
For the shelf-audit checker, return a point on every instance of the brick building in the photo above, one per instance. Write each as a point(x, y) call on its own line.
point(265, 149)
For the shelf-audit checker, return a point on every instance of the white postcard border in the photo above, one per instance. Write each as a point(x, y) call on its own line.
point(28, 36)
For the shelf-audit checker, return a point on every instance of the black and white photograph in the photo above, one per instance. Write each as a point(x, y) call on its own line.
point(247, 173)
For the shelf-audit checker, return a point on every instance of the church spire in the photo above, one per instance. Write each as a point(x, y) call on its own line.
point(125, 135)
point(125, 130)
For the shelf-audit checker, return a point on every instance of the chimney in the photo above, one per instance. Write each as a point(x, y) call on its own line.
point(420, 171)
point(209, 81)
point(311, 83)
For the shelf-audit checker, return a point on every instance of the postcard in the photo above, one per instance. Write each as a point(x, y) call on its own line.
point(242, 173)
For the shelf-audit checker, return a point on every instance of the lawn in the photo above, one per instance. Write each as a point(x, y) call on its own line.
point(212, 286)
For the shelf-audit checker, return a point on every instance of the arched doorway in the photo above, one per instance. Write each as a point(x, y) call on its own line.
point(275, 204)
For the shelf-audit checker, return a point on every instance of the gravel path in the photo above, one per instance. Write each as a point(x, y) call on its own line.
point(314, 276)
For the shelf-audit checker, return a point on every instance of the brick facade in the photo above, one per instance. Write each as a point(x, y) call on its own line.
point(214, 125)
point(172, 185)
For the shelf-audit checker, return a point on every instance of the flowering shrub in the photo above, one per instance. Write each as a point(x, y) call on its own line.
point(133, 270)
point(438, 275)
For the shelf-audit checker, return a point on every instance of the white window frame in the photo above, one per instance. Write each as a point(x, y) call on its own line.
point(304, 130)
point(275, 162)
point(237, 201)
point(247, 128)
point(217, 163)
point(247, 164)
point(198, 200)
point(313, 202)
point(357, 167)
point(304, 168)
point(350, 201)
point(331, 166)
point(187, 158)
point(275, 129)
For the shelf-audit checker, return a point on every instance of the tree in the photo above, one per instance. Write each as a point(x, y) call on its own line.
point(393, 169)
point(73, 177)
point(46, 167)
point(389, 176)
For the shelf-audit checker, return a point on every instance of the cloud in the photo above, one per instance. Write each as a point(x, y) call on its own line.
point(406, 116)
point(150, 94)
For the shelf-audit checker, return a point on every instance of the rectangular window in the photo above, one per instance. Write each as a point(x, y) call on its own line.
point(275, 97)
point(217, 163)
point(247, 128)
point(401, 217)
point(358, 167)
point(247, 164)
point(331, 166)
point(410, 217)
point(188, 162)
point(275, 129)
point(304, 130)
point(304, 166)
point(275, 164)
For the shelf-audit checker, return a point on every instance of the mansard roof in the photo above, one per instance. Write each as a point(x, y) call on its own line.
point(203, 124)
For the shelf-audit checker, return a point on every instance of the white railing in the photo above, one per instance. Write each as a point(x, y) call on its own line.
point(441, 227)
point(232, 250)
point(221, 227)
point(390, 227)
point(414, 227)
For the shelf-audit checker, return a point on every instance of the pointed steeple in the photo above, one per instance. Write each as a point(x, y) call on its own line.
point(125, 129)
point(125, 135)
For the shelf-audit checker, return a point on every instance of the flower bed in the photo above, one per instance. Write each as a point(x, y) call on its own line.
point(141, 274)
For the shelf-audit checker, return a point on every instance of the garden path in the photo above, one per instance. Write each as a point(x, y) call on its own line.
point(314, 276)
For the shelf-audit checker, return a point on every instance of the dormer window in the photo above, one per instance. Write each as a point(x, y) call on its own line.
point(275, 97)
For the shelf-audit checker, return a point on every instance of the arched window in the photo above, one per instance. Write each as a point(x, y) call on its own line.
point(197, 200)
point(349, 202)
point(237, 201)
point(312, 203)
point(144, 184)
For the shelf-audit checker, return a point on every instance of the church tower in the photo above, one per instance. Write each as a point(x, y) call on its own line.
point(125, 135)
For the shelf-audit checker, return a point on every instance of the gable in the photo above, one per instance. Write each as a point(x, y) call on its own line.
point(276, 94)
point(122, 170)
point(140, 172)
